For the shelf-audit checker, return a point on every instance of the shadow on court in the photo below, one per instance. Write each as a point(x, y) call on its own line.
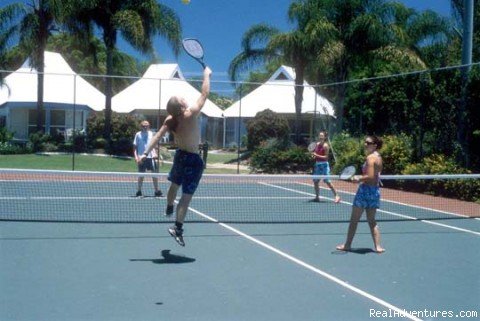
point(360, 250)
point(167, 258)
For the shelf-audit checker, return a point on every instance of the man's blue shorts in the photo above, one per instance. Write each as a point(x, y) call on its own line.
point(321, 168)
point(367, 196)
point(186, 171)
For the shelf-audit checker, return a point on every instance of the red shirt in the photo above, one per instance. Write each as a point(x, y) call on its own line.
point(320, 150)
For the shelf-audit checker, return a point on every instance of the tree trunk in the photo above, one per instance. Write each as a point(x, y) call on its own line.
point(299, 77)
point(110, 39)
point(39, 63)
point(40, 105)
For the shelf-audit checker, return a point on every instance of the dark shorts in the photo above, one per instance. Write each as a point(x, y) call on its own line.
point(186, 171)
point(147, 165)
point(367, 196)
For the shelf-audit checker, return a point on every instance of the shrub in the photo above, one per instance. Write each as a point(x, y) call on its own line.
point(468, 190)
point(348, 151)
point(124, 128)
point(266, 125)
point(5, 135)
point(100, 142)
point(40, 142)
point(123, 146)
point(10, 149)
point(272, 156)
point(78, 142)
point(396, 153)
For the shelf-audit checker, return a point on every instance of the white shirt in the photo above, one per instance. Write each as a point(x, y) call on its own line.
point(141, 141)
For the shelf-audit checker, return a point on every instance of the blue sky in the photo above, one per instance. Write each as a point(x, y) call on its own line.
point(220, 25)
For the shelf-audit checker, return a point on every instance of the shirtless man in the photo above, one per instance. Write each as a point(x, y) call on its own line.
point(187, 169)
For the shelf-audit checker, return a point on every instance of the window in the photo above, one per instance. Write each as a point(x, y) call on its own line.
point(57, 122)
point(32, 121)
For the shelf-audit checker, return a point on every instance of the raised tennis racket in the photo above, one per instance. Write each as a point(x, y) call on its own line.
point(311, 147)
point(194, 49)
point(347, 173)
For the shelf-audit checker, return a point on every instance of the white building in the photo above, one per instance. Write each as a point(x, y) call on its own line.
point(278, 95)
point(68, 98)
point(149, 95)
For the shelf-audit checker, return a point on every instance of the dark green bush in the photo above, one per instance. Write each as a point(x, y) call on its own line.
point(123, 146)
point(468, 190)
point(266, 125)
point(40, 142)
point(272, 156)
point(348, 151)
point(77, 142)
point(396, 153)
point(10, 149)
point(100, 142)
point(123, 131)
point(5, 135)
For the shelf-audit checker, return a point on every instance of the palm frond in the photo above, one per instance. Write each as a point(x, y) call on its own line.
point(407, 59)
point(257, 36)
point(244, 62)
point(169, 27)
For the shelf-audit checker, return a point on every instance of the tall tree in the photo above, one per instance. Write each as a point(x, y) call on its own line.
point(265, 44)
point(37, 21)
point(80, 58)
point(335, 40)
point(373, 35)
point(137, 21)
point(8, 30)
point(465, 110)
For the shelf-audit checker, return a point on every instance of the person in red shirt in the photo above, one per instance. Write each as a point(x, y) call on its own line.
point(322, 167)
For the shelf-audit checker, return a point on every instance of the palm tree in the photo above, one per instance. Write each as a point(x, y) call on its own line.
point(35, 28)
point(8, 30)
point(335, 39)
point(463, 114)
point(296, 48)
point(79, 56)
point(136, 20)
point(369, 32)
point(37, 22)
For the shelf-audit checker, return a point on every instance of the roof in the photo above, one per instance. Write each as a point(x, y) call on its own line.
point(62, 86)
point(154, 89)
point(278, 95)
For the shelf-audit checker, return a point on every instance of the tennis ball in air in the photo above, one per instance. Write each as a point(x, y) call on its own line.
point(185, 1)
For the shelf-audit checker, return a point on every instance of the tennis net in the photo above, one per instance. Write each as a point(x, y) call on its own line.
point(73, 196)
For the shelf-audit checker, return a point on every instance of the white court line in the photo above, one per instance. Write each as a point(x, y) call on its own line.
point(326, 275)
point(130, 197)
point(409, 205)
point(386, 212)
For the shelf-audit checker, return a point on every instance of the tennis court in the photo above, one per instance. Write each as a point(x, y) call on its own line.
point(267, 253)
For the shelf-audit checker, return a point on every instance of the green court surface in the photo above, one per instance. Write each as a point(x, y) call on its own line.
point(277, 269)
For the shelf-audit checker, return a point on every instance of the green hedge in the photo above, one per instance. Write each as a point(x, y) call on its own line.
point(396, 152)
point(468, 190)
point(272, 156)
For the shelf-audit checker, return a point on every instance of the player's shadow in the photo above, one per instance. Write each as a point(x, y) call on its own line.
point(360, 250)
point(167, 258)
